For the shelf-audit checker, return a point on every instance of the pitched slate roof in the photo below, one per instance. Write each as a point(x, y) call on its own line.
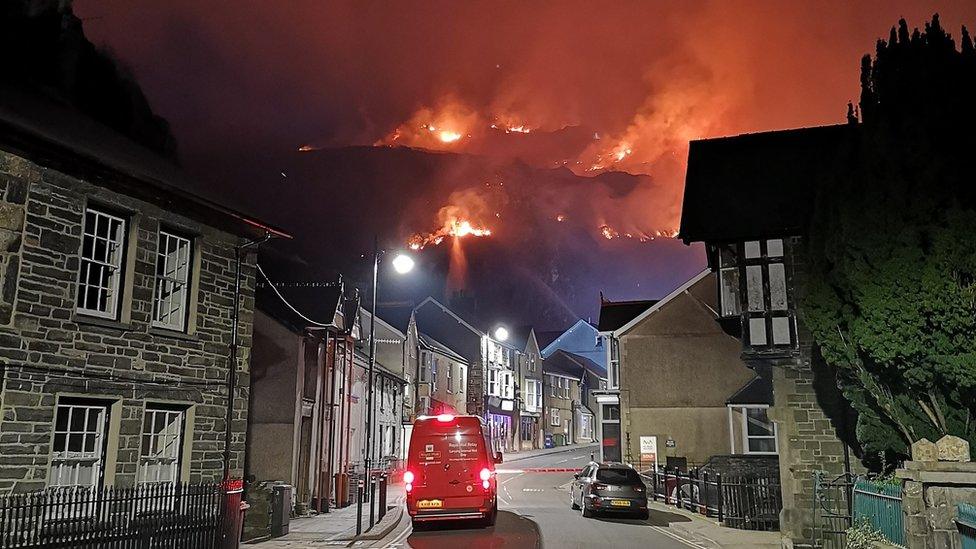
point(547, 337)
point(758, 391)
point(518, 337)
point(614, 314)
point(587, 364)
point(443, 324)
point(563, 363)
point(760, 185)
point(434, 345)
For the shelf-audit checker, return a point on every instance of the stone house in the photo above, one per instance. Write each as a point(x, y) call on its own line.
point(613, 315)
point(442, 379)
point(594, 380)
point(491, 368)
point(528, 387)
point(749, 199)
point(116, 312)
point(561, 387)
point(388, 385)
point(683, 382)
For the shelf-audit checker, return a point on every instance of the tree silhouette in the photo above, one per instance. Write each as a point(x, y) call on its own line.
point(892, 297)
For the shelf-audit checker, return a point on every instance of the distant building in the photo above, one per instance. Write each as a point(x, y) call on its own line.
point(582, 338)
point(562, 381)
point(442, 379)
point(613, 315)
point(491, 368)
point(528, 387)
point(682, 381)
point(304, 390)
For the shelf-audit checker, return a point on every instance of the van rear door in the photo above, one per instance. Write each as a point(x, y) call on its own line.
point(449, 465)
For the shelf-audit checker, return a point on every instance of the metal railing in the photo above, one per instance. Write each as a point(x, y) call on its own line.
point(966, 523)
point(880, 505)
point(746, 502)
point(149, 515)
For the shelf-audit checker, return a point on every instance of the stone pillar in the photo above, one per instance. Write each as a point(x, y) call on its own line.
point(933, 489)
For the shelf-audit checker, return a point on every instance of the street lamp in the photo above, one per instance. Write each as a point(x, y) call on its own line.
point(402, 264)
point(501, 333)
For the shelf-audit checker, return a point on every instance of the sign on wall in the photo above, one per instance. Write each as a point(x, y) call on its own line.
point(648, 449)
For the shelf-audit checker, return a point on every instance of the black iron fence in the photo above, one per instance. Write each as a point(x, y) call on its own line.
point(747, 502)
point(149, 516)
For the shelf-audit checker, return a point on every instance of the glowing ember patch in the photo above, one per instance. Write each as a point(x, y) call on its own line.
point(306, 148)
point(560, 218)
point(448, 136)
point(608, 232)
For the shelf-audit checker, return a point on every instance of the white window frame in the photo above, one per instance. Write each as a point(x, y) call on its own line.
point(554, 417)
point(759, 314)
point(533, 395)
point(164, 442)
point(66, 464)
point(171, 311)
point(743, 410)
point(450, 377)
point(423, 367)
point(492, 382)
point(115, 243)
point(613, 363)
point(507, 384)
point(435, 362)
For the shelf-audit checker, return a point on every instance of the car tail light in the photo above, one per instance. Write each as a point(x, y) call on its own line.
point(408, 477)
point(485, 474)
point(409, 487)
point(485, 484)
point(444, 418)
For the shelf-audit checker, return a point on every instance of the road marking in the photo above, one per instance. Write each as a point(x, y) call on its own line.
point(506, 481)
point(563, 461)
point(579, 457)
point(672, 535)
point(508, 471)
point(533, 490)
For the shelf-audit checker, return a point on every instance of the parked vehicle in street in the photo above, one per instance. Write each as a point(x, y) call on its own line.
point(450, 471)
point(609, 488)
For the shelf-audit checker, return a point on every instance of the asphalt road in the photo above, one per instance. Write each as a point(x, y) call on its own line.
point(534, 511)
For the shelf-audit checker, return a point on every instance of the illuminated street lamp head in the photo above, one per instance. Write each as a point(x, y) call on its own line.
point(501, 333)
point(403, 263)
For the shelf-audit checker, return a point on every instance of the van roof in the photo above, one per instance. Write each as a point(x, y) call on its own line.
point(439, 424)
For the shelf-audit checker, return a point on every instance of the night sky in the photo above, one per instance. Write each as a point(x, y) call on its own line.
point(602, 89)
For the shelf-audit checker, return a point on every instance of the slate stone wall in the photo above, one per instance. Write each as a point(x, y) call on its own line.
point(47, 350)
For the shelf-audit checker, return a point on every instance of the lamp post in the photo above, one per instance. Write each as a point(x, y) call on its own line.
point(402, 264)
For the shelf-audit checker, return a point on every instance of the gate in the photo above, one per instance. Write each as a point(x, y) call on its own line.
point(832, 499)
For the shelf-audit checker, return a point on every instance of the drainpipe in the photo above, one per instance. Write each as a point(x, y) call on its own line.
point(239, 252)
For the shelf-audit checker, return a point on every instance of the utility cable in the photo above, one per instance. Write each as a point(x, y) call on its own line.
point(289, 305)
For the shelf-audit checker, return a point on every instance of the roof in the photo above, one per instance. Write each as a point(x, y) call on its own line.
point(658, 305)
point(397, 315)
point(544, 339)
point(61, 138)
point(759, 185)
point(587, 364)
point(759, 390)
point(563, 363)
point(434, 345)
point(518, 337)
point(436, 320)
point(614, 314)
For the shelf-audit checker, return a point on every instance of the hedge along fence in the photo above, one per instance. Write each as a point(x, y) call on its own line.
point(880, 505)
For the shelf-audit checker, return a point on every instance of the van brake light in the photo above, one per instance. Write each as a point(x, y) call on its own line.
point(408, 477)
point(444, 418)
point(485, 474)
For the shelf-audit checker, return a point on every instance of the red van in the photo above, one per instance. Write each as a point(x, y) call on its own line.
point(450, 471)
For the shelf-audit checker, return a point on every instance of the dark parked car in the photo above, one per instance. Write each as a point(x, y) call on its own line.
point(609, 488)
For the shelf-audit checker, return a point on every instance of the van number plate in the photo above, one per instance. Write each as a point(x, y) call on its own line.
point(430, 504)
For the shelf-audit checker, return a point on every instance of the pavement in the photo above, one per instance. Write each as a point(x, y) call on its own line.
point(533, 511)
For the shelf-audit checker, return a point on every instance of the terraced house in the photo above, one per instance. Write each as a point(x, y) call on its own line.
point(116, 311)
